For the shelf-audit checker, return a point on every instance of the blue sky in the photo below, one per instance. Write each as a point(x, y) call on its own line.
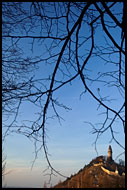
point(70, 144)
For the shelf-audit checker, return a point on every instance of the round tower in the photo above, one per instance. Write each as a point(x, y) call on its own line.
point(109, 153)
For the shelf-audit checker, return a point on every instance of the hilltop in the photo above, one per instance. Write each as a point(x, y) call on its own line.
point(101, 172)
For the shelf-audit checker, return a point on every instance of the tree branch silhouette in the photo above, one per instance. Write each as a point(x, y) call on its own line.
point(67, 48)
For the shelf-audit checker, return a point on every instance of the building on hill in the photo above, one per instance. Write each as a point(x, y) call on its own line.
point(101, 172)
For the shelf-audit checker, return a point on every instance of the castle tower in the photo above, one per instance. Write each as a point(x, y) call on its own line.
point(109, 153)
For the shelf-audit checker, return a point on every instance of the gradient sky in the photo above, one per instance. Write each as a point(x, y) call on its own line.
point(70, 144)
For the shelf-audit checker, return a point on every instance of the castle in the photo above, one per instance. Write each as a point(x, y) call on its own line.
point(110, 162)
point(101, 171)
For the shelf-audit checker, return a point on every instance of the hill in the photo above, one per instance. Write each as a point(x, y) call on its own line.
point(101, 172)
